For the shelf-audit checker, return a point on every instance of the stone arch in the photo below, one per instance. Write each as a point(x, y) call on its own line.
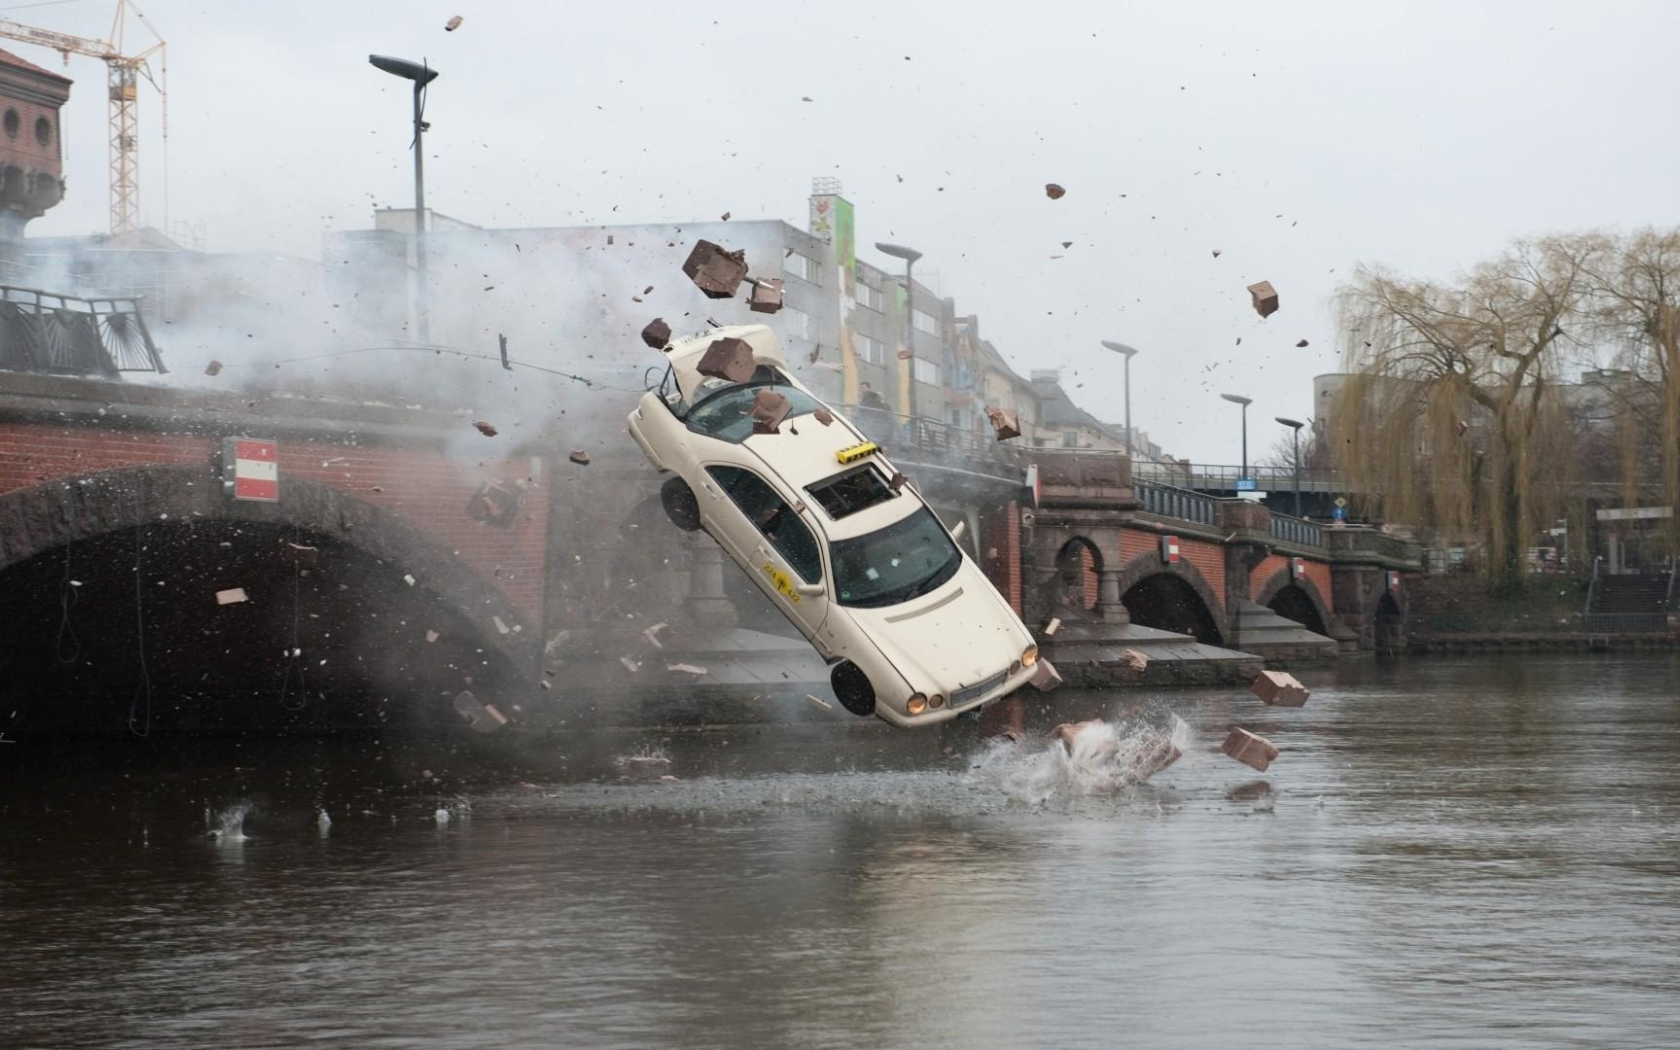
point(1297, 600)
point(1189, 589)
point(47, 516)
point(1388, 624)
point(1079, 564)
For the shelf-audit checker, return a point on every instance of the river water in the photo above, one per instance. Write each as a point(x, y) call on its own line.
point(1475, 853)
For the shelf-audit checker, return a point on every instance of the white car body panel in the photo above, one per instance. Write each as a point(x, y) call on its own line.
point(959, 640)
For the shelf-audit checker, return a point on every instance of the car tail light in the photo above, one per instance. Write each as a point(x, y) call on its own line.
point(936, 701)
point(1030, 656)
point(917, 704)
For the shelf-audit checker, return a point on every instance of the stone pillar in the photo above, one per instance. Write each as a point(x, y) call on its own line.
point(1110, 609)
point(706, 600)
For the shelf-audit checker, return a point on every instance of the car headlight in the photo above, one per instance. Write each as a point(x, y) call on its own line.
point(1029, 656)
point(936, 701)
point(917, 704)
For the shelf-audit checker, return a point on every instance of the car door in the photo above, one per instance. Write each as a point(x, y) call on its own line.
point(776, 544)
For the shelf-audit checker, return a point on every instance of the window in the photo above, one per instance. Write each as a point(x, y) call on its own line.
point(871, 350)
point(13, 123)
point(802, 266)
point(771, 515)
point(43, 131)
point(796, 322)
point(891, 565)
point(727, 415)
point(848, 493)
point(868, 298)
point(1070, 439)
point(924, 322)
point(927, 372)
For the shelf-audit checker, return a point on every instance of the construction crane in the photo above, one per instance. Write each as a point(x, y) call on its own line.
point(124, 73)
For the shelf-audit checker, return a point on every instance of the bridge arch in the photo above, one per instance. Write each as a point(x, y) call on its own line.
point(1079, 564)
point(1297, 600)
point(1171, 596)
point(365, 617)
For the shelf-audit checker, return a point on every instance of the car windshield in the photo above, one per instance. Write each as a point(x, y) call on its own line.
point(894, 564)
point(727, 415)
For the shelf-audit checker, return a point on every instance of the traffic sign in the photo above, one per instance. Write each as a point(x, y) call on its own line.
point(1341, 501)
point(1246, 485)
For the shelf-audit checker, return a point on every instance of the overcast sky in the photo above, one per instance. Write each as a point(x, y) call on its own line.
point(1297, 138)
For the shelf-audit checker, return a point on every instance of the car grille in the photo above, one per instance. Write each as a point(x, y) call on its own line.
point(969, 693)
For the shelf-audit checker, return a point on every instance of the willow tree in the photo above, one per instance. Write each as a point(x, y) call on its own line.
point(1450, 416)
point(1637, 291)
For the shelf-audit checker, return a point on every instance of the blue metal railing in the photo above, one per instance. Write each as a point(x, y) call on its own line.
point(1169, 501)
point(1298, 531)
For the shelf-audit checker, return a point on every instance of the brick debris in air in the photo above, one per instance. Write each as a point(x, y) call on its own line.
point(1279, 689)
point(716, 272)
point(1249, 749)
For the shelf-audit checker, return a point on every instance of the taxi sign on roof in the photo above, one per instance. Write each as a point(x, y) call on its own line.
point(856, 452)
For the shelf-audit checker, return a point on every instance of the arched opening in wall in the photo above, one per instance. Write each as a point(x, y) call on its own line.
point(1168, 603)
point(1389, 634)
point(323, 642)
point(1077, 566)
point(1293, 603)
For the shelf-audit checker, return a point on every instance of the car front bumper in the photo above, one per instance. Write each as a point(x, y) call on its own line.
point(903, 720)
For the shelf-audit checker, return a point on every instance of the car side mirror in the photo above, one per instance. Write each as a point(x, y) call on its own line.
point(958, 529)
point(810, 590)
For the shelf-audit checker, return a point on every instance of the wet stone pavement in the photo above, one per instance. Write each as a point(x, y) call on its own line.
point(1447, 852)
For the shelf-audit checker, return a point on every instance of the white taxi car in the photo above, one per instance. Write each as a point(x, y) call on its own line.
point(912, 630)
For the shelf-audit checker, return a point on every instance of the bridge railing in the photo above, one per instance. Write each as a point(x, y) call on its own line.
point(68, 335)
point(1225, 475)
point(1169, 501)
point(1299, 531)
point(942, 443)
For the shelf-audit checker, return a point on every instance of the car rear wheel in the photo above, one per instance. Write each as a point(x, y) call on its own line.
point(680, 505)
point(852, 688)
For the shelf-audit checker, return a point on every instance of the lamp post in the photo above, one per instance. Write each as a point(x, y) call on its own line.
point(1295, 426)
point(1238, 399)
point(1129, 353)
point(421, 75)
point(909, 255)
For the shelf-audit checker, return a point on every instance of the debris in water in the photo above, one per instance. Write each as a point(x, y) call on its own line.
point(453, 24)
point(484, 717)
point(1053, 191)
point(441, 816)
point(409, 579)
point(323, 820)
point(1249, 749)
point(1045, 677)
point(1265, 298)
point(657, 334)
point(501, 628)
point(212, 368)
point(1279, 689)
point(1133, 660)
point(668, 777)
point(580, 457)
point(231, 596)
point(716, 272)
point(629, 664)
point(432, 636)
point(766, 295)
point(1154, 756)
point(1005, 423)
point(484, 428)
point(728, 358)
point(824, 704)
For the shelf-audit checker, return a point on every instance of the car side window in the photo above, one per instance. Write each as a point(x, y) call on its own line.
point(772, 516)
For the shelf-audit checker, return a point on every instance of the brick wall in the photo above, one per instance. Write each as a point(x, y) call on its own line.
point(1210, 559)
point(1000, 529)
point(1318, 572)
point(428, 491)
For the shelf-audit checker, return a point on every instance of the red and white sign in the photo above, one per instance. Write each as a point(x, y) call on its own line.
point(1169, 549)
point(1033, 482)
point(1393, 581)
point(1297, 568)
point(251, 469)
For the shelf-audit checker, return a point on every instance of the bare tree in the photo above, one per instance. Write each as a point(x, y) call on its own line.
point(1450, 413)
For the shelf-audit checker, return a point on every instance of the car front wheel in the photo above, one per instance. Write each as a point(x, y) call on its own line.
point(852, 688)
point(680, 504)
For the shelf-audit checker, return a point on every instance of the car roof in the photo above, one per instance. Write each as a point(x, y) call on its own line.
point(806, 452)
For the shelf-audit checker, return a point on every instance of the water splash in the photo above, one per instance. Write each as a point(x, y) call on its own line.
point(228, 826)
point(646, 757)
point(1090, 758)
point(323, 821)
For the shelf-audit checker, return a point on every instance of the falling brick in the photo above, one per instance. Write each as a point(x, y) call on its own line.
point(1005, 424)
point(1133, 660)
point(432, 636)
point(580, 457)
point(824, 704)
point(657, 334)
point(897, 481)
point(1217, 253)
point(1052, 627)
point(231, 596)
point(716, 272)
point(693, 669)
point(768, 411)
point(1265, 298)
point(1044, 676)
point(1249, 749)
point(766, 295)
point(728, 358)
point(1279, 689)
point(484, 428)
point(629, 664)
point(1301, 344)
point(1053, 191)
point(652, 634)
point(823, 416)
point(453, 24)
point(212, 368)
point(1155, 756)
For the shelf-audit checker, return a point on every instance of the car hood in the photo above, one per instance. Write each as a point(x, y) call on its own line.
point(955, 636)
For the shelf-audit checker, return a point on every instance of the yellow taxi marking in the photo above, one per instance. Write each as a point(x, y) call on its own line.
point(782, 582)
point(856, 452)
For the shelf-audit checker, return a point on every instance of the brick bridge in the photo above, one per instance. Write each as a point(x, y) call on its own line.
point(444, 560)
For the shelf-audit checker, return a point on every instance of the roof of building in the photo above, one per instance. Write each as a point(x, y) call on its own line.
point(9, 59)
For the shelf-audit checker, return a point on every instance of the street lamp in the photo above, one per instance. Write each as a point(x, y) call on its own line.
point(1295, 426)
point(1129, 352)
point(909, 255)
point(421, 75)
point(1238, 399)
